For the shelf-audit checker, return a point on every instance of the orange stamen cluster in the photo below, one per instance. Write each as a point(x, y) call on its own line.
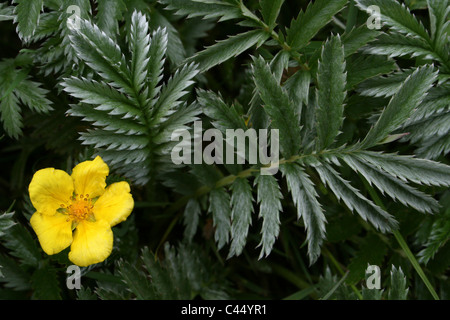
point(80, 208)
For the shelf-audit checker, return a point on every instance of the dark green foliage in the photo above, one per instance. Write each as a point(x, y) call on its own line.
point(363, 120)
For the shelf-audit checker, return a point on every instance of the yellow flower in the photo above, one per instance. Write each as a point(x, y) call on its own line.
point(78, 211)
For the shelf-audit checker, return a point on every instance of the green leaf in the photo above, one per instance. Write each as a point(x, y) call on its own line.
point(354, 200)
point(331, 81)
point(157, 52)
point(395, 45)
point(241, 214)
point(171, 93)
point(372, 250)
point(269, 197)
point(103, 96)
point(278, 106)
point(308, 207)
point(161, 283)
point(139, 46)
point(393, 187)
point(371, 294)
point(135, 280)
point(367, 66)
point(109, 14)
point(398, 289)
point(433, 148)
point(384, 86)
point(22, 245)
point(308, 23)
point(357, 38)
point(191, 216)
point(438, 237)
point(13, 275)
point(401, 105)
point(45, 284)
point(204, 8)
point(438, 11)
point(175, 48)
point(226, 49)
point(102, 54)
point(215, 108)
point(297, 87)
point(10, 115)
point(6, 222)
point(397, 16)
point(408, 168)
point(219, 206)
point(6, 12)
point(270, 10)
point(27, 17)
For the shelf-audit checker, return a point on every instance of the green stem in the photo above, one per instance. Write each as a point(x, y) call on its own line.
point(401, 241)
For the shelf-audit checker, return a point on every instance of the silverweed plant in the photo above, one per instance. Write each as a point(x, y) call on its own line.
point(355, 95)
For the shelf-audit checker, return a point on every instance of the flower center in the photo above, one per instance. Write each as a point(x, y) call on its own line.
point(80, 208)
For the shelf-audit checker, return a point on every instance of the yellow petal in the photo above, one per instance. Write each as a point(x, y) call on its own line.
point(50, 188)
point(89, 177)
point(92, 243)
point(115, 205)
point(54, 232)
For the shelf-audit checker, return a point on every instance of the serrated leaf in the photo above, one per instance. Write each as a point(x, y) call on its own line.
point(139, 46)
point(354, 200)
point(175, 47)
point(408, 168)
point(10, 115)
point(269, 197)
point(398, 289)
point(401, 105)
point(308, 23)
point(102, 54)
point(160, 280)
point(171, 93)
point(27, 17)
point(241, 214)
point(278, 106)
point(367, 66)
point(331, 81)
point(6, 222)
point(135, 280)
point(6, 12)
point(220, 208)
point(106, 98)
point(226, 49)
point(395, 45)
point(204, 8)
point(308, 207)
point(371, 294)
point(22, 245)
point(393, 187)
point(437, 238)
point(357, 38)
point(13, 275)
point(109, 13)
point(215, 108)
point(157, 51)
point(384, 86)
point(438, 11)
point(397, 16)
point(270, 10)
point(191, 216)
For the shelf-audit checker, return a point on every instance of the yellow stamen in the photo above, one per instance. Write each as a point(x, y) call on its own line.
point(80, 209)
